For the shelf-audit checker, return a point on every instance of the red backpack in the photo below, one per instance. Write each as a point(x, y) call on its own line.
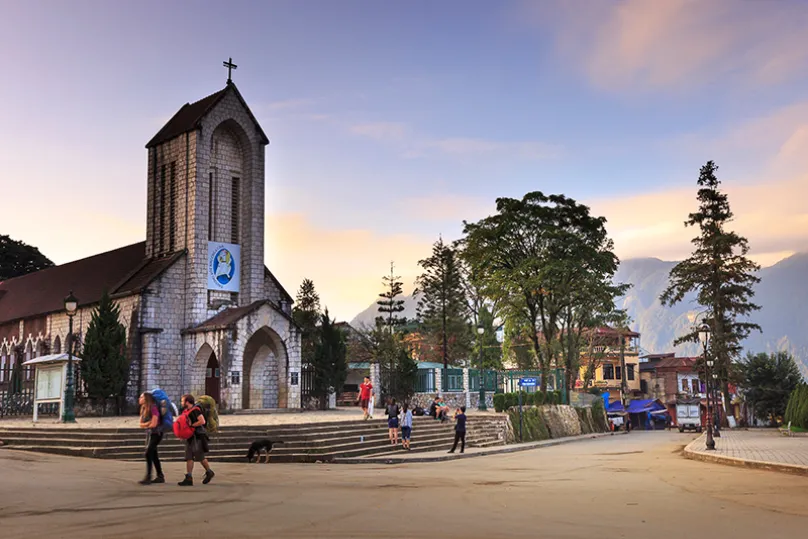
point(182, 426)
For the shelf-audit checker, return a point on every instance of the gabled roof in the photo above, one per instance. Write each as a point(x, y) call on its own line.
point(189, 117)
point(227, 318)
point(275, 280)
point(121, 272)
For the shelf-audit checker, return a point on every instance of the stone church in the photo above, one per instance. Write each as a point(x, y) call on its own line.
point(203, 314)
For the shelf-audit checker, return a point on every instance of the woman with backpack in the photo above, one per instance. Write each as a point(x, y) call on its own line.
point(150, 420)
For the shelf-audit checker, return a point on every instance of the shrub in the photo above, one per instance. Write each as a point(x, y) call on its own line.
point(499, 402)
point(538, 398)
point(599, 416)
point(797, 407)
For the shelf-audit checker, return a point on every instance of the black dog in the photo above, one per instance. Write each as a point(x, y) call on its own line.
point(258, 446)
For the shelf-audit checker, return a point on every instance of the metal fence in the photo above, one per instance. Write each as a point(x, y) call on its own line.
point(452, 380)
point(490, 380)
point(425, 381)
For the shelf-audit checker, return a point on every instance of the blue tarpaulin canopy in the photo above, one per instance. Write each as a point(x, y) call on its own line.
point(641, 406)
point(616, 407)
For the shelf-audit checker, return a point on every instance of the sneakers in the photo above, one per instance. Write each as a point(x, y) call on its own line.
point(208, 476)
point(187, 482)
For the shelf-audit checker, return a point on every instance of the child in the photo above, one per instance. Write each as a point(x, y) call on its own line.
point(460, 430)
point(406, 427)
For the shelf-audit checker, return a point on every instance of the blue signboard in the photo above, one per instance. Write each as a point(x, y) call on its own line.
point(528, 382)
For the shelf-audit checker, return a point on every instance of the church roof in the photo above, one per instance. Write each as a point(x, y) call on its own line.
point(189, 117)
point(121, 272)
point(227, 318)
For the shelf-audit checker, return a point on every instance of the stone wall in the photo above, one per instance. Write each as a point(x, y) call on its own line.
point(554, 421)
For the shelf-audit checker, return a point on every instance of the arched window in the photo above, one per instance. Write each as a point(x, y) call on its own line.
point(4, 364)
point(29, 354)
point(57, 345)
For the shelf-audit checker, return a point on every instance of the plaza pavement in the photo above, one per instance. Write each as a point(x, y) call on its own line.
point(755, 448)
point(634, 486)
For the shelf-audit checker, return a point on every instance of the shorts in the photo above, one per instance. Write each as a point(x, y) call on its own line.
point(392, 423)
point(195, 447)
point(406, 432)
point(364, 403)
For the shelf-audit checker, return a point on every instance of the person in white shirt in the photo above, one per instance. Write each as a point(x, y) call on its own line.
point(406, 426)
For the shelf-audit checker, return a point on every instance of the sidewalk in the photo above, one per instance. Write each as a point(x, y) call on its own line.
point(439, 456)
point(765, 449)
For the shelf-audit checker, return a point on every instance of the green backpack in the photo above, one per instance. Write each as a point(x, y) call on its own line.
point(208, 406)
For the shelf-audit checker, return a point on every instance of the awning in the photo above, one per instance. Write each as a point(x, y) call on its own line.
point(642, 406)
point(51, 358)
point(616, 407)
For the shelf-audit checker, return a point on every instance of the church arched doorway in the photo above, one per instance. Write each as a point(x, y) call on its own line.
point(264, 382)
point(213, 378)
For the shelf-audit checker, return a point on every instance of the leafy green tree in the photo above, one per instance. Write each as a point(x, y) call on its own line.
point(491, 348)
point(390, 304)
point(535, 257)
point(104, 365)
point(18, 258)
point(516, 347)
point(797, 408)
point(442, 307)
point(721, 275)
point(328, 360)
point(306, 314)
point(768, 380)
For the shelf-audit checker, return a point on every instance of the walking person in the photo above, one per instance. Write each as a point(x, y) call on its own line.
point(406, 427)
point(197, 445)
point(460, 430)
point(150, 420)
point(392, 420)
point(365, 392)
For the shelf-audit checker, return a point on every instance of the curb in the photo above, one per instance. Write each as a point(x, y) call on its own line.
point(516, 448)
point(692, 454)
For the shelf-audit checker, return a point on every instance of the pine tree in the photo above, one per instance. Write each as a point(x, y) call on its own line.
point(720, 273)
point(389, 306)
point(442, 307)
point(306, 314)
point(104, 365)
point(328, 360)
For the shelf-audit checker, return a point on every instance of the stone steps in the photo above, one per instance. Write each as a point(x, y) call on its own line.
point(302, 442)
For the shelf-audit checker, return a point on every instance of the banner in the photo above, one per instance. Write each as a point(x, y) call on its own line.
point(224, 266)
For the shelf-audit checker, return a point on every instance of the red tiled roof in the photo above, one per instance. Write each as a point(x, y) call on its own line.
point(677, 363)
point(120, 272)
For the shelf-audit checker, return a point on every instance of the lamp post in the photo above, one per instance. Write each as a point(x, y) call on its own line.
point(481, 406)
point(704, 337)
point(71, 306)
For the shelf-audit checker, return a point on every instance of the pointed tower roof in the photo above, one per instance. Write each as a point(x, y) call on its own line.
point(189, 117)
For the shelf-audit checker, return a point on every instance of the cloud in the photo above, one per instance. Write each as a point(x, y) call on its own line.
point(680, 44)
point(414, 145)
point(384, 131)
point(288, 104)
point(346, 265)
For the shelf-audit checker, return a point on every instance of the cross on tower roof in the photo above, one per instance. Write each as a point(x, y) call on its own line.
point(230, 66)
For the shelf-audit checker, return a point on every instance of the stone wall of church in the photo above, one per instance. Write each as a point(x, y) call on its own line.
point(178, 156)
point(163, 319)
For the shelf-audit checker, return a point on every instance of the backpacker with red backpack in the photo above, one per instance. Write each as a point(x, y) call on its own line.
point(182, 426)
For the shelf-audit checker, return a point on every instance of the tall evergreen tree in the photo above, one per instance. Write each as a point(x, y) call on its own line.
point(306, 314)
point(18, 258)
point(104, 365)
point(722, 276)
point(442, 307)
point(328, 360)
point(390, 304)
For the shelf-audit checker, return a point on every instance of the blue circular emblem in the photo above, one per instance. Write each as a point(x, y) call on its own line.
point(223, 267)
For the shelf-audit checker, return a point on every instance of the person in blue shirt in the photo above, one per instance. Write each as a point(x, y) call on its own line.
point(460, 430)
point(406, 427)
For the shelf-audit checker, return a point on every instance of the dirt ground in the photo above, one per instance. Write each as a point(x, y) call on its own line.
point(623, 486)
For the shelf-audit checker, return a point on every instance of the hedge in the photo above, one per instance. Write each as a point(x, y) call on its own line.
point(797, 407)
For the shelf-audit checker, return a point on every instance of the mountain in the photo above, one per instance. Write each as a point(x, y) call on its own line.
point(782, 294)
point(368, 316)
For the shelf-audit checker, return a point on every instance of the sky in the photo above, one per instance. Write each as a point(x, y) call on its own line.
point(392, 122)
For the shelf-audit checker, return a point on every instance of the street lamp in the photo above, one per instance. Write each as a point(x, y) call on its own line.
point(704, 337)
point(71, 306)
point(481, 401)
